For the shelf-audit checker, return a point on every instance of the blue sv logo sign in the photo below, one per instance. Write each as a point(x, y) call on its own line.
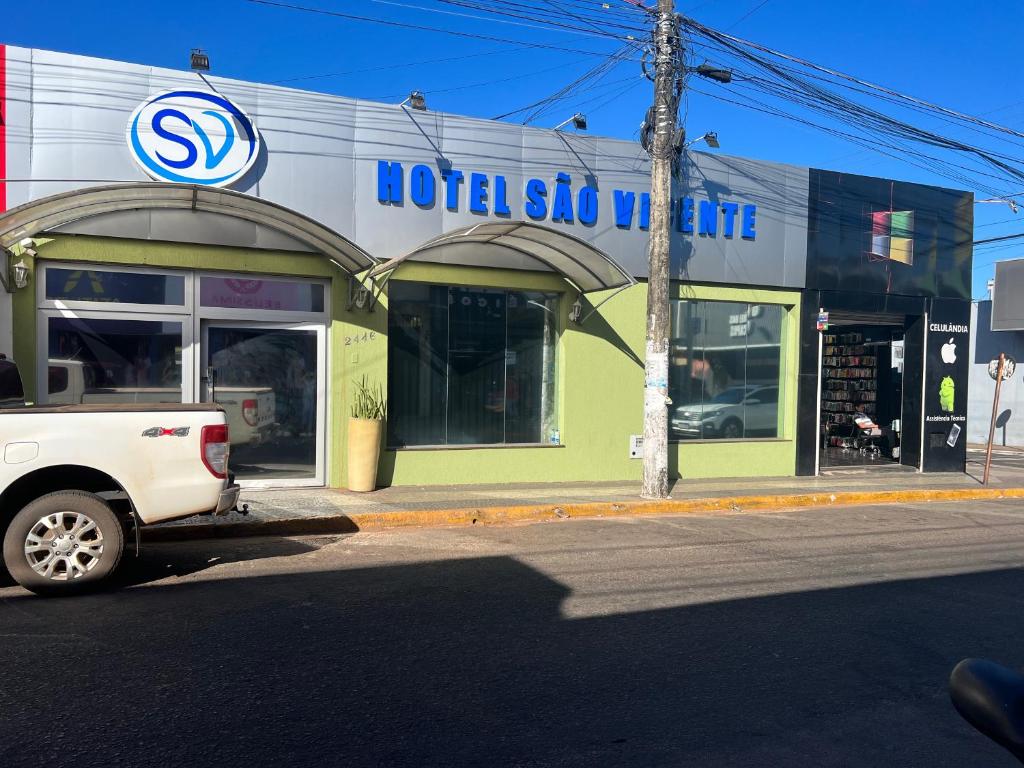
point(192, 137)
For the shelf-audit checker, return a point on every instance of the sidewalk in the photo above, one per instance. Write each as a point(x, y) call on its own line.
point(328, 510)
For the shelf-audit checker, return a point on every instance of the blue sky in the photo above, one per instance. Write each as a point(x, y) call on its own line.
point(962, 56)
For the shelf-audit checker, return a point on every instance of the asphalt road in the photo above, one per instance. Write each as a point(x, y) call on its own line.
point(812, 638)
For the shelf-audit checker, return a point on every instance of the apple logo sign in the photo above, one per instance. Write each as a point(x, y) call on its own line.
point(948, 351)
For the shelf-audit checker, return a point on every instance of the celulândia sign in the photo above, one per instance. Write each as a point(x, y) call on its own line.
point(192, 137)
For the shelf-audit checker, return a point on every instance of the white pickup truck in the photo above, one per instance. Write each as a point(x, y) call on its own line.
point(73, 478)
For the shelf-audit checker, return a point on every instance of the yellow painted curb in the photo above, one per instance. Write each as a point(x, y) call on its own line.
point(353, 522)
point(368, 521)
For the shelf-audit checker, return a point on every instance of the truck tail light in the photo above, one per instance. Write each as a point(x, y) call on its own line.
point(214, 449)
point(251, 412)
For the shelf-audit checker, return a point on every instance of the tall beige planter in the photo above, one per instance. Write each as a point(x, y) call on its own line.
point(364, 437)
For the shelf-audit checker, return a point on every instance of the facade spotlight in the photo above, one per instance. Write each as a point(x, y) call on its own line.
point(199, 61)
point(714, 73)
point(416, 100)
point(579, 122)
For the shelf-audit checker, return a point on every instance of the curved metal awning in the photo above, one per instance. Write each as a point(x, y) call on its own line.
point(521, 245)
point(47, 213)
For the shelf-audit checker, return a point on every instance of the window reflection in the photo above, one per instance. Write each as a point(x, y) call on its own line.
point(258, 293)
point(113, 361)
point(724, 370)
point(114, 287)
point(470, 366)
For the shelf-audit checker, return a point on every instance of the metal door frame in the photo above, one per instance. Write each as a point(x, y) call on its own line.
point(43, 317)
point(322, 391)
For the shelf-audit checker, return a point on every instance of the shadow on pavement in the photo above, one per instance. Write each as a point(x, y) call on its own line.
point(472, 663)
point(157, 561)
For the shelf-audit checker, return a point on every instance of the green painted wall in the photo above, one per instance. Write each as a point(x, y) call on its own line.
point(600, 369)
point(600, 403)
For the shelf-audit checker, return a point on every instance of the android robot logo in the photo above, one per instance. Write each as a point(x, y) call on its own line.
point(947, 391)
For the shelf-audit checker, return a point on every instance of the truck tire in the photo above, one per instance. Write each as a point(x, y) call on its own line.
point(63, 542)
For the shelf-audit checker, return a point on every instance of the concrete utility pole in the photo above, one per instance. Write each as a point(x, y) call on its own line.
point(666, 76)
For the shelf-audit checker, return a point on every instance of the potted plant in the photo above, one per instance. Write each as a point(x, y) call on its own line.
point(365, 429)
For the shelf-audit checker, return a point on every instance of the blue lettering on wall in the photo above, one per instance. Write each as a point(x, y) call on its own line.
point(686, 220)
point(749, 211)
point(452, 179)
point(561, 208)
point(389, 182)
point(624, 202)
point(687, 215)
point(729, 218)
point(478, 193)
point(586, 206)
point(708, 219)
point(422, 187)
point(536, 206)
point(500, 197)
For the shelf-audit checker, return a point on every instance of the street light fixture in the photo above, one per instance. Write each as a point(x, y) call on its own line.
point(711, 138)
point(579, 122)
point(1014, 205)
point(416, 100)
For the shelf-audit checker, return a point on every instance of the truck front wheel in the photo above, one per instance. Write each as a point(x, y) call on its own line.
point(63, 542)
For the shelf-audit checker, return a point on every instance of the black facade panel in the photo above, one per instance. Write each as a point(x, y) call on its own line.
point(913, 373)
point(947, 372)
point(807, 438)
point(878, 236)
point(869, 303)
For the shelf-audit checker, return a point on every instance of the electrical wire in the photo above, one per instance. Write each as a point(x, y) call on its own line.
point(786, 83)
point(423, 27)
point(588, 79)
point(747, 15)
point(547, 26)
point(721, 36)
point(497, 52)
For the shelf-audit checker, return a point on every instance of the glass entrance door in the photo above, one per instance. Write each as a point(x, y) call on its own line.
point(270, 381)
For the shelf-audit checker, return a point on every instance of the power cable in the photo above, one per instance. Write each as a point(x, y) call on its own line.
point(748, 14)
point(422, 27)
point(691, 23)
point(793, 88)
point(548, 26)
point(1014, 236)
point(400, 66)
point(479, 84)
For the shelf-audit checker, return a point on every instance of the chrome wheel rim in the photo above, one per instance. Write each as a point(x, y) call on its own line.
point(64, 546)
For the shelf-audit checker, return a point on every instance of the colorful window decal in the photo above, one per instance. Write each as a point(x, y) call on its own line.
point(892, 236)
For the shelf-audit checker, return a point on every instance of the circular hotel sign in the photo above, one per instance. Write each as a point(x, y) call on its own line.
point(192, 137)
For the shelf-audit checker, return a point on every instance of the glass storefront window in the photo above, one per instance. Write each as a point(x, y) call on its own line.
point(245, 293)
point(725, 365)
point(113, 361)
point(63, 284)
point(470, 366)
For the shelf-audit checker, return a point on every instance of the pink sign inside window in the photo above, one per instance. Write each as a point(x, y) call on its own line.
point(275, 295)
